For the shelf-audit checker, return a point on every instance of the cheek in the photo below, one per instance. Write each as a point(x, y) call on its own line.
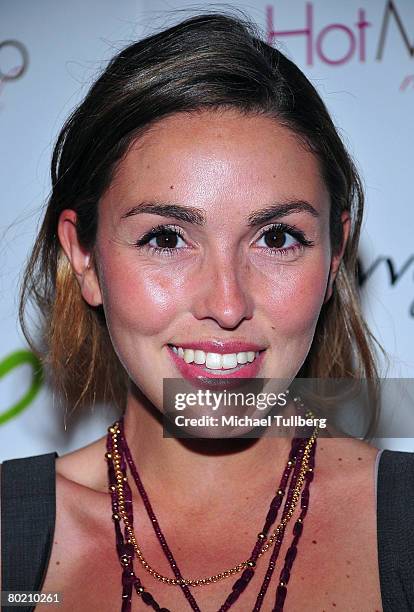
point(138, 302)
point(138, 298)
point(294, 300)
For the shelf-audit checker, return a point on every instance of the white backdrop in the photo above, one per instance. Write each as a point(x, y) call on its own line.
point(360, 56)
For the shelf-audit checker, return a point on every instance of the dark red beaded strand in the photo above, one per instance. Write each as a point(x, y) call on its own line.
point(154, 522)
point(242, 582)
point(290, 556)
point(126, 551)
point(248, 573)
point(275, 504)
point(278, 542)
point(121, 546)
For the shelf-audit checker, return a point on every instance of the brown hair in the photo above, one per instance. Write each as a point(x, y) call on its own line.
point(210, 61)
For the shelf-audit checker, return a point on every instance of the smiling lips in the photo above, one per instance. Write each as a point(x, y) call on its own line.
point(215, 361)
point(217, 358)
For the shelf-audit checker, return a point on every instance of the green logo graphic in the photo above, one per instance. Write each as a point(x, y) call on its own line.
point(8, 364)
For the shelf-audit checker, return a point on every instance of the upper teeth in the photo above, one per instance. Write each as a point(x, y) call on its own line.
point(214, 361)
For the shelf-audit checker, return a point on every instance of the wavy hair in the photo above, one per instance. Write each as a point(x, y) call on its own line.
point(210, 61)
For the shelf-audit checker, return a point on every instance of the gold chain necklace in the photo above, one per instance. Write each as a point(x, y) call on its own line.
point(115, 457)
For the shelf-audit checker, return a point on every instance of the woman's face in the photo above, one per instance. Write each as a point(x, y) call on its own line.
point(240, 263)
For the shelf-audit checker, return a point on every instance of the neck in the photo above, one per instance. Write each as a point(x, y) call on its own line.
point(199, 469)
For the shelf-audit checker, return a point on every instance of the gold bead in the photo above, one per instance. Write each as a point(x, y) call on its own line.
point(140, 589)
point(281, 583)
point(112, 488)
point(111, 429)
point(125, 559)
point(108, 456)
point(261, 536)
point(115, 517)
point(280, 492)
point(251, 564)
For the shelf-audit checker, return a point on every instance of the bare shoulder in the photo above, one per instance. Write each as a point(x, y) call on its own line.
point(347, 452)
point(346, 464)
point(85, 466)
point(83, 545)
point(82, 500)
point(340, 535)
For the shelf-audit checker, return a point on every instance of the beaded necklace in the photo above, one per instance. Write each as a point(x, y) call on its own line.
point(299, 468)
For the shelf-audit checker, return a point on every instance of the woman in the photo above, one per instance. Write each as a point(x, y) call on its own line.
point(204, 207)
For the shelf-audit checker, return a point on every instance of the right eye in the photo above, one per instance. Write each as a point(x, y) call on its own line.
point(165, 240)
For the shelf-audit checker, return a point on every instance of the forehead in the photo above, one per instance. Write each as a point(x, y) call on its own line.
point(218, 159)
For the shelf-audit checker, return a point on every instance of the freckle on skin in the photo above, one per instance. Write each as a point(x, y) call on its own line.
point(359, 458)
point(57, 562)
point(347, 575)
point(334, 604)
point(339, 458)
point(314, 542)
point(171, 186)
point(348, 562)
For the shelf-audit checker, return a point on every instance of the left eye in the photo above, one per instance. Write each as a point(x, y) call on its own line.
point(277, 238)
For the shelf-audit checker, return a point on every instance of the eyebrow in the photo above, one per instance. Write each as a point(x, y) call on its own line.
point(196, 216)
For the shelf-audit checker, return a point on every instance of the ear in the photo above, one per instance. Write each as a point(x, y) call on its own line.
point(80, 259)
point(336, 259)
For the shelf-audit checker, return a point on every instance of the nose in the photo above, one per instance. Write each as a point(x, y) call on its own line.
point(223, 292)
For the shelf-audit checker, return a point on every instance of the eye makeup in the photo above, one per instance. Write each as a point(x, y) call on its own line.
point(170, 235)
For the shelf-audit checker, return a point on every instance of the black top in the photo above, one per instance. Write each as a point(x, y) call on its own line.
point(395, 525)
point(28, 508)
